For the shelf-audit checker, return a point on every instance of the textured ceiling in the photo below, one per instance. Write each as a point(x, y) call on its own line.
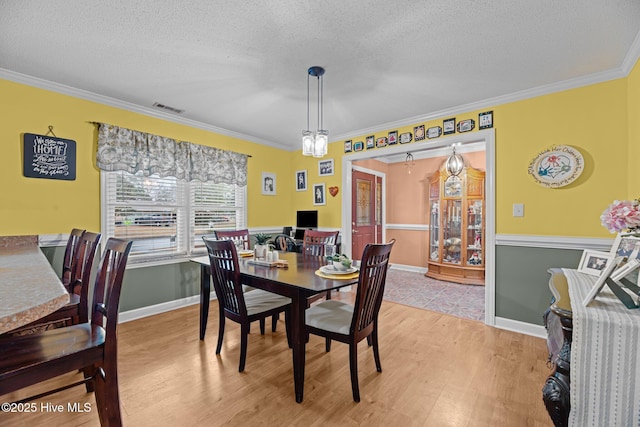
point(242, 65)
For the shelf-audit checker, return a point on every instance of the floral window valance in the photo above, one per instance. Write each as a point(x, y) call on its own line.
point(122, 149)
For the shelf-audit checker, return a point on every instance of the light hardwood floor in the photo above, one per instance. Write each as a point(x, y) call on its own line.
point(438, 370)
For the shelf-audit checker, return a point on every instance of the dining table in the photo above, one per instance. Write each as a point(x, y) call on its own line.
point(29, 287)
point(301, 279)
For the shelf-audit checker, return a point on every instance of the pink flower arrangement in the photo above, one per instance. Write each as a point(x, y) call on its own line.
point(622, 215)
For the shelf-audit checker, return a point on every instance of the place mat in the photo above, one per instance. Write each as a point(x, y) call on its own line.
point(338, 276)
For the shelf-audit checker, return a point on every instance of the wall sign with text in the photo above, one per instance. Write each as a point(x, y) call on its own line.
point(49, 157)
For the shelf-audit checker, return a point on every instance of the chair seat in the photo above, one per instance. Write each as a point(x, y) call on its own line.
point(330, 315)
point(259, 301)
point(24, 357)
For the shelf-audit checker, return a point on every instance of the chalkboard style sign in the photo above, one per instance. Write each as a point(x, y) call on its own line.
point(49, 157)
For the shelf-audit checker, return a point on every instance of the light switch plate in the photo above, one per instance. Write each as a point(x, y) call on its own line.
point(518, 209)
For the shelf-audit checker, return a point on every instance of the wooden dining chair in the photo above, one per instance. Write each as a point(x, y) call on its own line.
point(69, 255)
point(336, 320)
point(235, 235)
point(90, 347)
point(283, 242)
point(314, 241)
point(236, 305)
point(313, 244)
point(78, 283)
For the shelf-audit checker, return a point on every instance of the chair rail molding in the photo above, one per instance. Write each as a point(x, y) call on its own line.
point(554, 242)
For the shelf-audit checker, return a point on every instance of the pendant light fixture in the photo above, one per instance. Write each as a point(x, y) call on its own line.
point(455, 163)
point(409, 163)
point(314, 143)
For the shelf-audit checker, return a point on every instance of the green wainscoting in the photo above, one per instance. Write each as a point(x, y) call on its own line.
point(522, 281)
point(522, 291)
point(145, 286)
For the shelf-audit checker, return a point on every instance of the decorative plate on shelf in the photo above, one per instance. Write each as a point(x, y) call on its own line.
point(557, 166)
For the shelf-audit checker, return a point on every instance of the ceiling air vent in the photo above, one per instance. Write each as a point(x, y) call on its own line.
point(167, 108)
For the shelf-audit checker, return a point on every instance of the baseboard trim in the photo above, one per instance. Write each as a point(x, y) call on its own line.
point(140, 313)
point(521, 327)
point(405, 267)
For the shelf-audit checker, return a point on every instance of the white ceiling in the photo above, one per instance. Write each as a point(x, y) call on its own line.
point(240, 67)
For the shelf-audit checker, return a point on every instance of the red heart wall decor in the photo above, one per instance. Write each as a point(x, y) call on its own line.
point(333, 191)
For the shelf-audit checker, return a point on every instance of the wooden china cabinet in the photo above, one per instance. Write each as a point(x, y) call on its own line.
point(456, 227)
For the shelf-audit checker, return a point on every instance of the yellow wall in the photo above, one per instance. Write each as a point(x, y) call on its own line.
point(45, 206)
point(592, 119)
point(633, 88)
point(600, 120)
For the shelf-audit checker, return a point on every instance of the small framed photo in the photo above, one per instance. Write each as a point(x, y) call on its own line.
point(269, 183)
point(434, 132)
point(325, 167)
point(406, 137)
point(381, 142)
point(449, 126)
point(593, 262)
point(604, 275)
point(301, 180)
point(370, 140)
point(418, 133)
point(358, 146)
point(393, 137)
point(347, 146)
point(626, 245)
point(485, 120)
point(466, 125)
point(319, 194)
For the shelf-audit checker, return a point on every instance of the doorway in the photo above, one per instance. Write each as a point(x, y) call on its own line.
point(477, 141)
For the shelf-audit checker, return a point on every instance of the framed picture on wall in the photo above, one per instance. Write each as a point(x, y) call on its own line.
point(358, 146)
point(393, 137)
point(269, 183)
point(319, 194)
point(418, 133)
point(325, 167)
point(301, 180)
point(370, 141)
point(347, 146)
point(449, 126)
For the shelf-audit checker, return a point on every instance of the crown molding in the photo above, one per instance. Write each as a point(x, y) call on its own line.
point(123, 105)
point(492, 102)
point(632, 56)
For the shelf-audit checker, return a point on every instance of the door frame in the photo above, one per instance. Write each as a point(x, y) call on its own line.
point(483, 137)
point(383, 208)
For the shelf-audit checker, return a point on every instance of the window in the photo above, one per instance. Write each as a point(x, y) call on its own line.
point(167, 217)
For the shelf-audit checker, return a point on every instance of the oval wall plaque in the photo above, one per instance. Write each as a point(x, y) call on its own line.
point(557, 166)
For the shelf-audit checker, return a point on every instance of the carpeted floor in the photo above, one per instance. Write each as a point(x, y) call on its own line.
point(416, 290)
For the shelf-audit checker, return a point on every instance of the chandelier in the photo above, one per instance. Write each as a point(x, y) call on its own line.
point(314, 143)
point(455, 163)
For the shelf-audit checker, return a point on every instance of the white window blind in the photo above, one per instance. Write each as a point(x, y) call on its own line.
point(215, 207)
point(166, 217)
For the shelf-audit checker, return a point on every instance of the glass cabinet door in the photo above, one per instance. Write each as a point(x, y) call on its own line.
point(451, 231)
point(434, 229)
point(474, 233)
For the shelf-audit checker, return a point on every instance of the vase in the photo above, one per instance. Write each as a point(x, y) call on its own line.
point(260, 251)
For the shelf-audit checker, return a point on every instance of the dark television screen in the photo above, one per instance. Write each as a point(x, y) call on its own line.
point(307, 219)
